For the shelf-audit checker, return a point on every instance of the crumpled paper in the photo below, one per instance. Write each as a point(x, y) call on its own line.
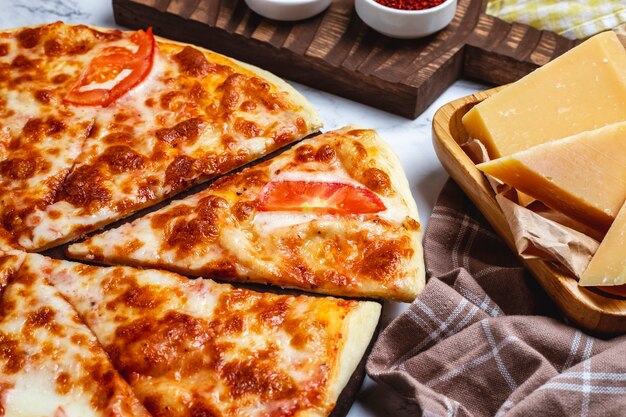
point(536, 234)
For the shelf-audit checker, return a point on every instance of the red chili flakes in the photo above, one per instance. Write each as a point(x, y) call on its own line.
point(410, 4)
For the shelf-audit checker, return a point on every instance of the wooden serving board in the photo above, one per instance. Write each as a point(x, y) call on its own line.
point(336, 52)
point(587, 307)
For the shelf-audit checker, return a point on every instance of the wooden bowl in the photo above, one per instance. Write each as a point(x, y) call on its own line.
point(589, 308)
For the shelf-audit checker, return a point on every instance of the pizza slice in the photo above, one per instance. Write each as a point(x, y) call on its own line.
point(333, 214)
point(198, 348)
point(39, 137)
point(165, 116)
point(51, 365)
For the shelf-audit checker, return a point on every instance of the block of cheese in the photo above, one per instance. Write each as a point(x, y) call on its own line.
point(608, 265)
point(583, 89)
point(583, 176)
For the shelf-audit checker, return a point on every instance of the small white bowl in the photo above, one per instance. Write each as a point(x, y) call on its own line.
point(405, 24)
point(288, 10)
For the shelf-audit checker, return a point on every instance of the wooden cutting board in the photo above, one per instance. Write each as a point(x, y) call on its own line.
point(336, 52)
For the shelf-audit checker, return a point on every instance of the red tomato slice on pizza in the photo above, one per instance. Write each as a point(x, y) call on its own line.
point(114, 72)
point(317, 196)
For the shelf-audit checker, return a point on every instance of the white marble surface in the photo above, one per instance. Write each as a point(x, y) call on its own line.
point(411, 139)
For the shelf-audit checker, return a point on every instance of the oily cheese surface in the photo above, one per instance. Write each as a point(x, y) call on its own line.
point(189, 347)
point(66, 169)
point(224, 232)
point(50, 362)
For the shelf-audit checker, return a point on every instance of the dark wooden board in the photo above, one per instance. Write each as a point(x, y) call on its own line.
point(336, 52)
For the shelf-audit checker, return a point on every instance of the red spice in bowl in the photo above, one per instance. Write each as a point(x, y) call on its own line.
point(410, 4)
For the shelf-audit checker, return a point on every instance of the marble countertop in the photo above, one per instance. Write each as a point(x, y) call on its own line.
point(411, 139)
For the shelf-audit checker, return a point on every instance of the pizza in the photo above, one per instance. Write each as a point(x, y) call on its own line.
point(333, 214)
point(185, 347)
point(50, 362)
point(96, 124)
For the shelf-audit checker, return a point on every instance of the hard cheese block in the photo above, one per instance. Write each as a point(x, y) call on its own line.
point(583, 176)
point(608, 265)
point(581, 90)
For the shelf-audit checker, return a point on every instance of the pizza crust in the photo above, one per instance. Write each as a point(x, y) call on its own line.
point(359, 330)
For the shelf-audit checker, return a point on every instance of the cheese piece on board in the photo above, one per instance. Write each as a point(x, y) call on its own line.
point(583, 176)
point(583, 89)
point(608, 265)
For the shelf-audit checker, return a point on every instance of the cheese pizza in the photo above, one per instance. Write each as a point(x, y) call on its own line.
point(198, 348)
point(97, 124)
point(333, 214)
point(50, 362)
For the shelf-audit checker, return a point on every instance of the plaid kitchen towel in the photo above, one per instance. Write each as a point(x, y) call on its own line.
point(484, 340)
point(573, 19)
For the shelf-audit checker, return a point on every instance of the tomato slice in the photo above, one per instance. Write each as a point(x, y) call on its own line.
point(320, 197)
point(114, 72)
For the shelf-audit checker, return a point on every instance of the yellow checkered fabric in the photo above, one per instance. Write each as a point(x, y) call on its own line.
point(572, 19)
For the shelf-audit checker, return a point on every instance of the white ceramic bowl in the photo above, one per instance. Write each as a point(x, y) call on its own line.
point(288, 9)
point(405, 24)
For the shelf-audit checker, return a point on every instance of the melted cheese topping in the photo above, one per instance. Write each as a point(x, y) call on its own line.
point(42, 137)
point(194, 347)
point(50, 363)
point(220, 233)
point(196, 115)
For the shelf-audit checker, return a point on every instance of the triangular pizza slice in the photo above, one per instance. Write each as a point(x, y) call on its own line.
point(199, 348)
point(333, 214)
point(51, 365)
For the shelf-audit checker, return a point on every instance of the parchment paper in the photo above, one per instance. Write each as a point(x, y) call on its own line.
point(535, 228)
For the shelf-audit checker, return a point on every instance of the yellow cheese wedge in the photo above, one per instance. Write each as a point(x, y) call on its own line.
point(583, 176)
point(583, 89)
point(608, 265)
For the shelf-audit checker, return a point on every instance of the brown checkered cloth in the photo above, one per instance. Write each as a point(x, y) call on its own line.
point(484, 340)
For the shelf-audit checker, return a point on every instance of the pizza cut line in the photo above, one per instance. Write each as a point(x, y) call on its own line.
point(185, 347)
point(333, 214)
point(51, 364)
